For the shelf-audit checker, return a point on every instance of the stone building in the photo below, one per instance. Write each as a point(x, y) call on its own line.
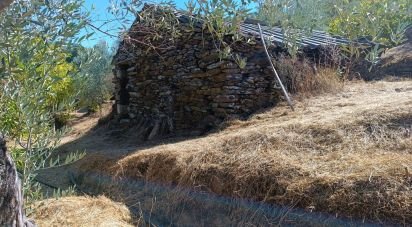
point(189, 86)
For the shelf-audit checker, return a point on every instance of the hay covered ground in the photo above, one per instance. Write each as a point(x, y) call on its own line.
point(348, 153)
point(81, 211)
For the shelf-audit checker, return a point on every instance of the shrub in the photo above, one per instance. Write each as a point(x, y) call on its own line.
point(382, 21)
point(94, 79)
point(36, 81)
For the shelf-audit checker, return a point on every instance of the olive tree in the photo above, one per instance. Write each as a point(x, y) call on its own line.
point(34, 35)
point(94, 78)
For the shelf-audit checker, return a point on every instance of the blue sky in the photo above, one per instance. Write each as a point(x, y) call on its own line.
point(100, 15)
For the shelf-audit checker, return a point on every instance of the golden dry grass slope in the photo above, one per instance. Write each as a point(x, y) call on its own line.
point(348, 154)
point(81, 211)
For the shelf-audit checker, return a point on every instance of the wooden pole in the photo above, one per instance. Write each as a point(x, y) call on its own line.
point(274, 70)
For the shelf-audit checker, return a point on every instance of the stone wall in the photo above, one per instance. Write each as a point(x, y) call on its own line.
point(189, 86)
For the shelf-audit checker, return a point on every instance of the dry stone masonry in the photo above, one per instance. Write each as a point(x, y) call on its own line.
point(188, 86)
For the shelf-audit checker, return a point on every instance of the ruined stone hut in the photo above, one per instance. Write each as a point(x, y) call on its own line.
point(188, 86)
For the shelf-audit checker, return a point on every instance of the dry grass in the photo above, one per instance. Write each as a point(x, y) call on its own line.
point(348, 153)
point(81, 211)
point(301, 77)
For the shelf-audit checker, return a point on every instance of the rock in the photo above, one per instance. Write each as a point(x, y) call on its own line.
point(124, 121)
point(396, 61)
point(214, 65)
point(226, 98)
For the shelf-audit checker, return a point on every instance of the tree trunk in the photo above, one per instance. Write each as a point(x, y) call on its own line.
point(4, 4)
point(11, 200)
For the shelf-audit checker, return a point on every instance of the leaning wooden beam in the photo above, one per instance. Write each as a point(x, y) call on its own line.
point(274, 70)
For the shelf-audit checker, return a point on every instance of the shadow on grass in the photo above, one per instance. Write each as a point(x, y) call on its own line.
point(165, 205)
point(161, 204)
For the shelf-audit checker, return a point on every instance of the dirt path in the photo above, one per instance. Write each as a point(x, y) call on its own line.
point(86, 135)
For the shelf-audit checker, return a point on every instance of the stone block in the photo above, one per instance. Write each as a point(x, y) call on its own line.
point(214, 65)
point(226, 98)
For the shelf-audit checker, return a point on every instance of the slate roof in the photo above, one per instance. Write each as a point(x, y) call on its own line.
point(276, 35)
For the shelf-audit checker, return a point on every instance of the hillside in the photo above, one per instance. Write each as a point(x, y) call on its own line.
point(348, 154)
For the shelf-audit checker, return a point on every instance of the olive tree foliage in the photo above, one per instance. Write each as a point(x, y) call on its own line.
point(381, 21)
point(34, 37)
point(219, 18)
point(94, 78)
point(297, 17)
point(222, 19)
